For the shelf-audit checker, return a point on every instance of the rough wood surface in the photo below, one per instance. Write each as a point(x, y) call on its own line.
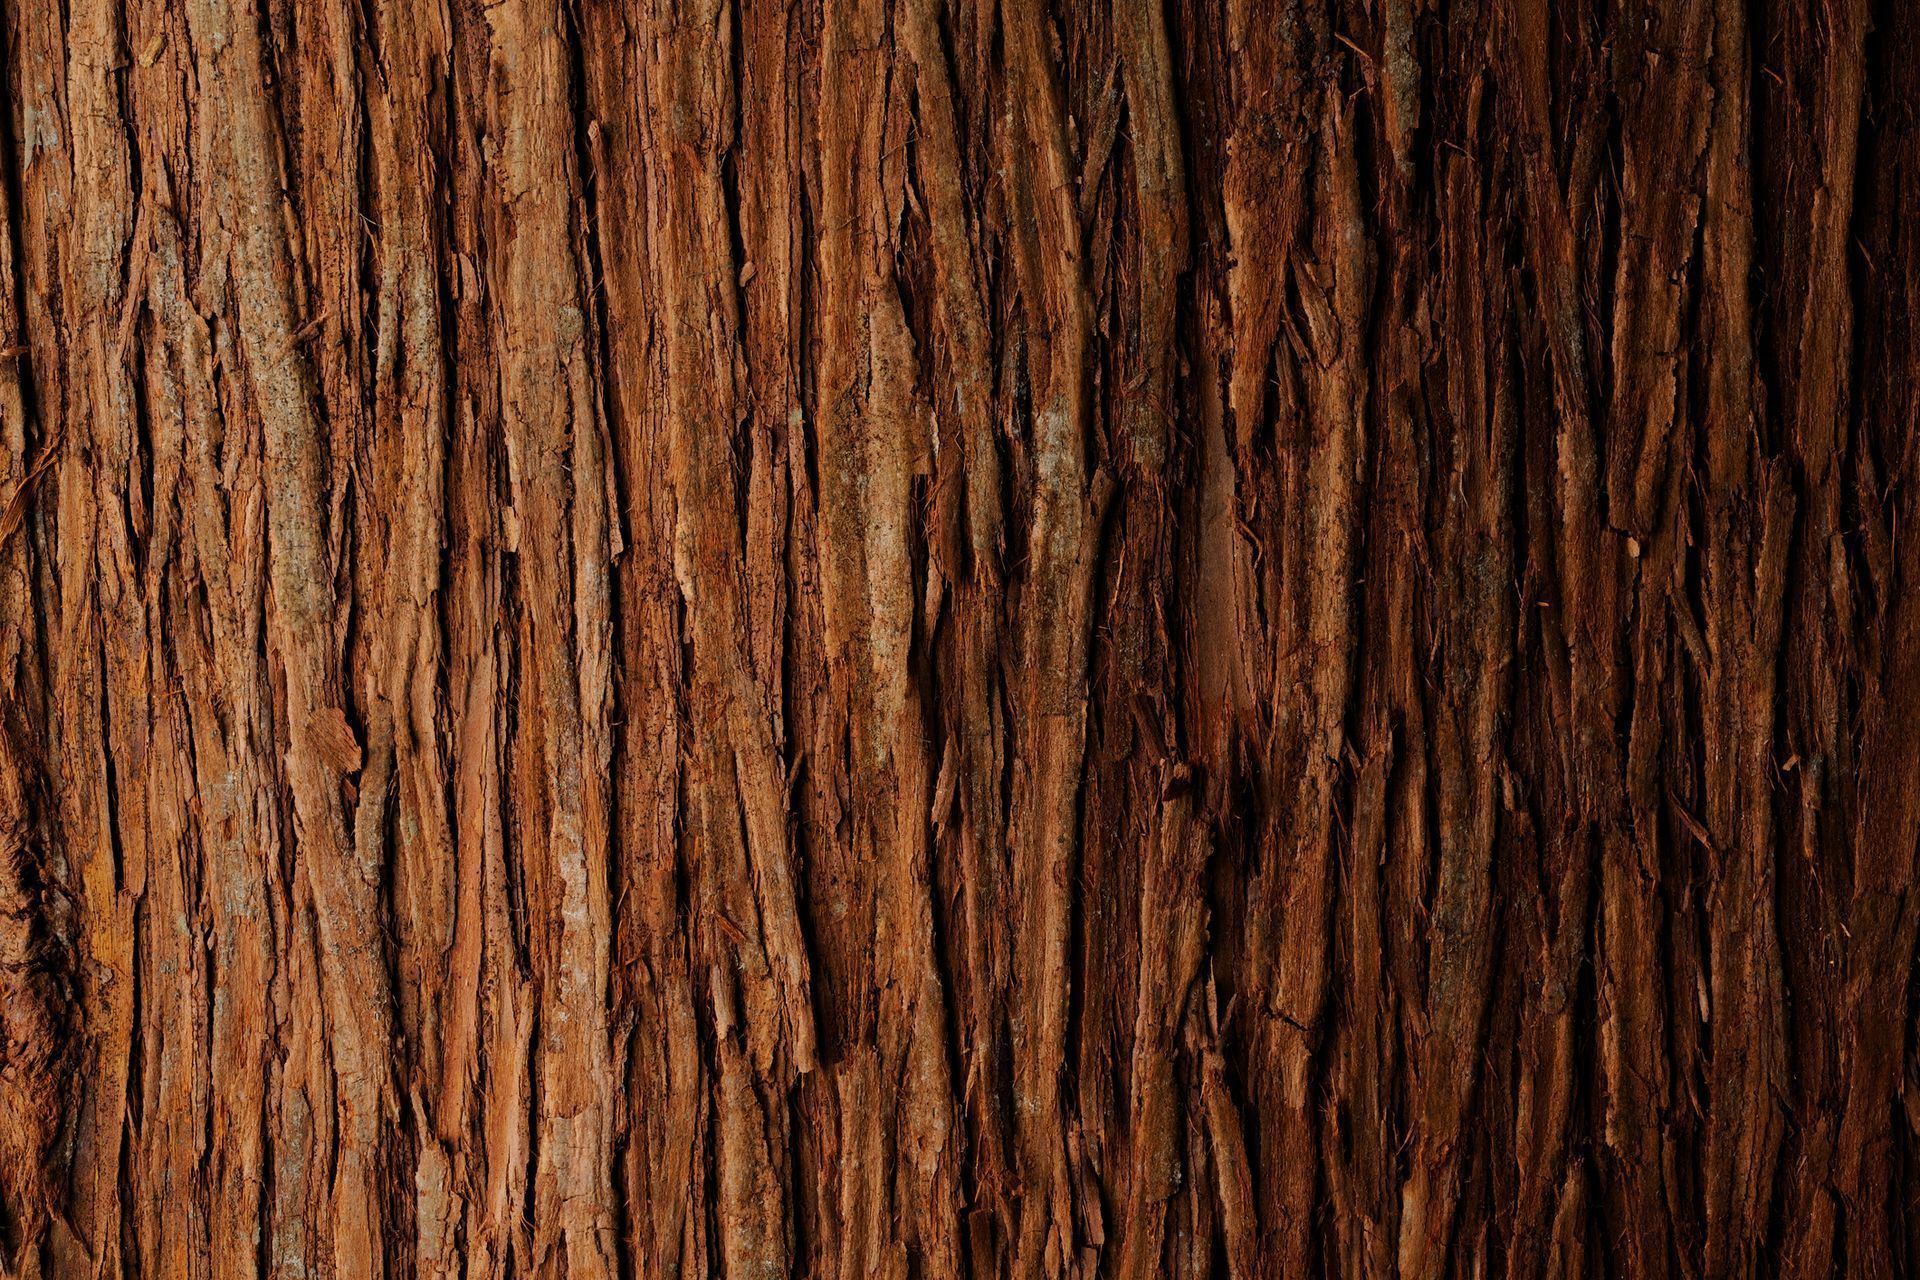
point(959, 638)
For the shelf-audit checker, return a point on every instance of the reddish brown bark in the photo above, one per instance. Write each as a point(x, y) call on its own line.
point(938, 639)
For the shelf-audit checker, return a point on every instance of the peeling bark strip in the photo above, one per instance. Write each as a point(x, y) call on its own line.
point(923, 638)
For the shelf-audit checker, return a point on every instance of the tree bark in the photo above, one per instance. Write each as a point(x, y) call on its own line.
point(925, 638)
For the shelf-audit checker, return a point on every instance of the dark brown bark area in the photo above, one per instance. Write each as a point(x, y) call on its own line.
point(945, 639)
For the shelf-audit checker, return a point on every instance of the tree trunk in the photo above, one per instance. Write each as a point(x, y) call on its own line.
point(926, 638)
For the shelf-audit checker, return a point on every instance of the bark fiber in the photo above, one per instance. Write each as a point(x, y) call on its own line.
point(955, 639)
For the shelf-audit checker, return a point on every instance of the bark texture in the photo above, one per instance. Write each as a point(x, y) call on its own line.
point(959, 638)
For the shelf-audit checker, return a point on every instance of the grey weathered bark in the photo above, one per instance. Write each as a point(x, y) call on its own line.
point(934, 638)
